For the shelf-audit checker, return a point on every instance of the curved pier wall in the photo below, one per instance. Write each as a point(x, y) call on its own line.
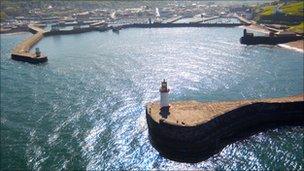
point(197, 143)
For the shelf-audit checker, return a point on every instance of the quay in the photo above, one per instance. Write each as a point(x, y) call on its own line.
point(191, 131)
point(22, 51)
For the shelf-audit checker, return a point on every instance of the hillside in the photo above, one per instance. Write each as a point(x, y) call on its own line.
point(281, 13)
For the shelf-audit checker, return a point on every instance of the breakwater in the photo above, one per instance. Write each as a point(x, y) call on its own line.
point(194, 131)
point(22, 51)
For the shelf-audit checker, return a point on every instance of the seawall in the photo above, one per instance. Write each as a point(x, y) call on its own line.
point(171, 25)
point(194, 131)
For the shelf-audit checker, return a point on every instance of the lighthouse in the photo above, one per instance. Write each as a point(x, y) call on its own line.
point(164, 99)
point(38, 53)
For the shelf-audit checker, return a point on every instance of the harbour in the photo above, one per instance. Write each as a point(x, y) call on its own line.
point(97, 107)
point(21, 52)
point(152, 85)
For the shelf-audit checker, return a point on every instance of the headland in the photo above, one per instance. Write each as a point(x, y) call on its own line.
point(194, 131)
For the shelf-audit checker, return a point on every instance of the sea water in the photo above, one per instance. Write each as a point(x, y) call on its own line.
point(85, 107)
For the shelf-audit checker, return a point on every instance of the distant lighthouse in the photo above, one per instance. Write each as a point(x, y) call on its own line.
point(38, 53)
point(164, 98)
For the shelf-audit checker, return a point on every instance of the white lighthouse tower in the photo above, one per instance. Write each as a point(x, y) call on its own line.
point(164, 98)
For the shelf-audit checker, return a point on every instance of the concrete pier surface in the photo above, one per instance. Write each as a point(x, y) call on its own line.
point(194, 131)
point(22, 51)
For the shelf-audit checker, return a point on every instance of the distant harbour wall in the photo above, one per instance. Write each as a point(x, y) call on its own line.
point(170, 25)
point(73, 31)
point(136, 25)
point(200, 141)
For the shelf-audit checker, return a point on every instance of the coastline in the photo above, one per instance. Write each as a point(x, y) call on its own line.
point(296, 46)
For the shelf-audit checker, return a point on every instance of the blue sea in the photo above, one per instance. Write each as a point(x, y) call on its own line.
point(84, 108)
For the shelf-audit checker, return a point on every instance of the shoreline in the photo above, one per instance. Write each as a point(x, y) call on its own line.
point(295, 46)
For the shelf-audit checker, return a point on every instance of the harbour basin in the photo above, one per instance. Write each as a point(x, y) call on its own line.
point(85, 108)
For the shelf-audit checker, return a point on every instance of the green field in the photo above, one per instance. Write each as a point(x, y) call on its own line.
point(282, 13)
point(294, 8)
point(268, 10)
point(298, 28)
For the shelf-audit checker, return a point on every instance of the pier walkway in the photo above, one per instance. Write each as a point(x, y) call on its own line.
point(194, 131)
point(191, 113)
point(35, 29)
point(22, 51)
point(243, 20)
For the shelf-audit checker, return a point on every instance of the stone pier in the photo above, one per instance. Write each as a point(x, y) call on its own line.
point(22, 51)
point(194, 131)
